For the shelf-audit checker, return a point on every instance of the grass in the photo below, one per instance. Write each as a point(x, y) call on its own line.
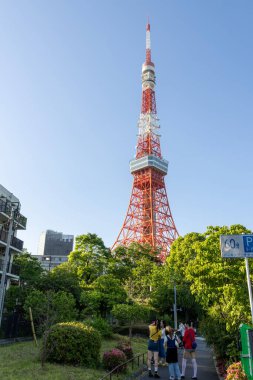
point(20, 361)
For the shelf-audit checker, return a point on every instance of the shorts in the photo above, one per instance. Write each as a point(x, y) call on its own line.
point(189, 354)
point(153, 345)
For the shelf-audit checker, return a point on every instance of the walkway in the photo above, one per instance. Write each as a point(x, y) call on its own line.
point(206, 369)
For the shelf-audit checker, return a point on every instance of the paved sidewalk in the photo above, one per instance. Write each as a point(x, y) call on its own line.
point(204, 357)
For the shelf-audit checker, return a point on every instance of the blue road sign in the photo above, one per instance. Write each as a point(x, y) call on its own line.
point(248, 243)
point(236, 246)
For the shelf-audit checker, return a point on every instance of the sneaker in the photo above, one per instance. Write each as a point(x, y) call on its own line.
point(193, 377)
point(157, 376)
point(150, 374)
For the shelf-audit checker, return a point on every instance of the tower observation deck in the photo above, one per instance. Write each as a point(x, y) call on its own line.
point(149, 219)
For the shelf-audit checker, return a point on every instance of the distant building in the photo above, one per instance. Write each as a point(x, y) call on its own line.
point(54, 248)
point(9, 204)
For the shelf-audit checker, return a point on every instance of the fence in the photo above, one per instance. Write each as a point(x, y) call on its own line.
point(116, 371)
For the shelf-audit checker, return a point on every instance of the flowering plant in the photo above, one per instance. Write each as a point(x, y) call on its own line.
point(126, 348)
point(113, 358)
point(235, 372)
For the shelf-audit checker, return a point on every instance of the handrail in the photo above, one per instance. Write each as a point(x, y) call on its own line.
point(116, 369)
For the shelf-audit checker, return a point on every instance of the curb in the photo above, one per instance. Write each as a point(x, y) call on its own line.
point(216, 368)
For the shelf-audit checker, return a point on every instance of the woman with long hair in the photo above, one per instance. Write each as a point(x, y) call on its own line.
point(162, 341)
point(153, 346)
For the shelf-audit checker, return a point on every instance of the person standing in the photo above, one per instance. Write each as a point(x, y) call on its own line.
point(189, 352)
point(181, 328)
point(153, 347)
point(171, 354)
point(161, 343)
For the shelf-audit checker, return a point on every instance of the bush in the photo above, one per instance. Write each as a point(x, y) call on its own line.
point(235, 372)
point(126, 348)
point(113, 358)
point(73, 343)
point(101, 325)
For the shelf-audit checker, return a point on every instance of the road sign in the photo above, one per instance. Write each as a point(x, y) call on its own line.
point(239, 246)
point(236, 246)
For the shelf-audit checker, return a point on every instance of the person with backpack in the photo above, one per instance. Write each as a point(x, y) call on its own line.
point(189, 351)
point(171, 354)
point(153, 347)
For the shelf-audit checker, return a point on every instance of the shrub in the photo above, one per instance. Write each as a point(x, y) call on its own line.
point(235, 372)
point(126, 348)
point(73, 343)
point(101, 325)
point(113, 358)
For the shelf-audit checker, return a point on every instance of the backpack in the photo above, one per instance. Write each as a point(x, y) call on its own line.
point(172, 343)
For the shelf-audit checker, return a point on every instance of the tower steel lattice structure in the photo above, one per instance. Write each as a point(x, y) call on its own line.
point(148, 219)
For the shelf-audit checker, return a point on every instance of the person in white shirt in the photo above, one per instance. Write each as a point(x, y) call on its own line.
point(181, 328)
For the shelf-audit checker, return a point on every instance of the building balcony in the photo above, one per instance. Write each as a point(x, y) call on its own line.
point(5, 213)
point(15, 244)
point(13, 270)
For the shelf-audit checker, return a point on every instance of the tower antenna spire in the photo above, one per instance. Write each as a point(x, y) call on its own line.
point(149, 219)
point(148, 43)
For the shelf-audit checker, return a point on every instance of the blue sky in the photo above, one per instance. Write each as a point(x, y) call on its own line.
point(70, 96)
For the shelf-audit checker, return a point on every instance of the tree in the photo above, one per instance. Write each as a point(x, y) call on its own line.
point(90, 258)
point(62, 278)
point(218, 284)
point(30, 269)
point(102, 295)
point(30, 275)
point(50, 307)
point(130, 314)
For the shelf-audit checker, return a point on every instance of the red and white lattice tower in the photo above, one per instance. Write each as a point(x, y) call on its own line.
point(149, 219)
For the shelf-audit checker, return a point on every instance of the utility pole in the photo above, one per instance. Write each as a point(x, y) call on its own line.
point(5, 263)
point(175, 307)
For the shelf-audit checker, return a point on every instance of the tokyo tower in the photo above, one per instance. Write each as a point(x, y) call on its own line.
point(148, 219)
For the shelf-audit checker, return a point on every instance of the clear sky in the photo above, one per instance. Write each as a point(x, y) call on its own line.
point(70, 96)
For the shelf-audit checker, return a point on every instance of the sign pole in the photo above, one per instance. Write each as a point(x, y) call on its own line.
point(249, 287)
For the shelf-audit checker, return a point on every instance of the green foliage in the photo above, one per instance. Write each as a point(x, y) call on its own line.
point(62, 278)
point(217, 284)
point(50, 307)
point(113, 358)
point(101, 325)
point(216, 335)
point(89, 258)
point(31, 273)
point(73, 343)
point(130, 314)
point(30, 269)
point(100, 297)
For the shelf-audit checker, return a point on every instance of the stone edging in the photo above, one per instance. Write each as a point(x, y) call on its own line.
point(216, 368)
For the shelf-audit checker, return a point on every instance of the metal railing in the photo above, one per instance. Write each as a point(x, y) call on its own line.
point(12, 269)
point(22, 220)
point(15, 242)
point(5, 207)
point(116, 371)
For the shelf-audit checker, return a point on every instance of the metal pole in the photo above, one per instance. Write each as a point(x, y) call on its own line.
point(249, 287)
point(5, 264)
point(175, 307)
